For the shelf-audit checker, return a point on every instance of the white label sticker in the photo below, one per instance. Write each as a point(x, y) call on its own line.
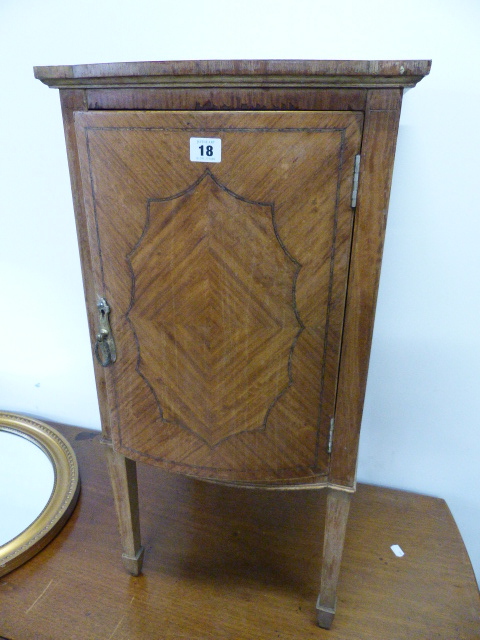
point(205, 149)
point(397, 550)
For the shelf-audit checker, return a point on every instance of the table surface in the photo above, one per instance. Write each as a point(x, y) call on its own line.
point(240, 564)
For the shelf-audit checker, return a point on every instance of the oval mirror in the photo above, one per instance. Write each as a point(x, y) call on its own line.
point(39, 487)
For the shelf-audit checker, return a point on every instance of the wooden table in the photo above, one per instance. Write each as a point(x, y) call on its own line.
point(233, 564)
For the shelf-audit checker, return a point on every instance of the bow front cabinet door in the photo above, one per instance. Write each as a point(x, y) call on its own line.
point(226, 284)
point(231, 219)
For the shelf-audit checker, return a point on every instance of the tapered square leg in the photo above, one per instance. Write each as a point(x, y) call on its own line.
point(123, 476)
point(338, 505)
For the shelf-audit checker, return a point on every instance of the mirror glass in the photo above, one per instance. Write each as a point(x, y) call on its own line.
point(26, 483)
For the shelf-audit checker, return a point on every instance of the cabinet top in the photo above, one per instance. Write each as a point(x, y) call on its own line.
point(238, 73)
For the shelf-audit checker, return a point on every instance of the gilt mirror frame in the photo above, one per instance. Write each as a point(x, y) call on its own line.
point(62, 500)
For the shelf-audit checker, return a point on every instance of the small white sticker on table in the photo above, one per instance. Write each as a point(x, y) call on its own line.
point(397, 550)
point(205, 149)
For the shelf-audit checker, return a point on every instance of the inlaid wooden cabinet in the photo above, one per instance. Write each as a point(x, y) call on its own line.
point(231, 219)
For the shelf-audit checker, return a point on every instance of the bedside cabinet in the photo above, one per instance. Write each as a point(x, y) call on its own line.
point(231, 217)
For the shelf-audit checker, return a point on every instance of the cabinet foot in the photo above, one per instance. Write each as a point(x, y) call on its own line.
point(325, 616)
point(133, 564)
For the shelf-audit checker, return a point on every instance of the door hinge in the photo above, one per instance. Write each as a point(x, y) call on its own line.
point(356, 172)
point(330, 435)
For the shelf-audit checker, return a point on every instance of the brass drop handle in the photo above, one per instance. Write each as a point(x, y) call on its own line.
point(105, 350)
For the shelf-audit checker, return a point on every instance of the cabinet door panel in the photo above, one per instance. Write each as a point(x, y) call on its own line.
point(226, 283)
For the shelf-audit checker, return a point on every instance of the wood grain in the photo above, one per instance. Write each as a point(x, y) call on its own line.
point(220, 99)
point(374, 88)
point(226, 283)
point(241, 565)
point(239, 73)
point(377, 158)
point(75, 101)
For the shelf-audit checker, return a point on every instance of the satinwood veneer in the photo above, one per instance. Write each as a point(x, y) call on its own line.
point(231, 289)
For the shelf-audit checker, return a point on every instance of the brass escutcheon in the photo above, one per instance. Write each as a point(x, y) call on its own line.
point(105, 350)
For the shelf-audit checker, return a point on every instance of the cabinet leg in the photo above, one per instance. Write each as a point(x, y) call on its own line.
point(123, 476)
point(338, 504)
